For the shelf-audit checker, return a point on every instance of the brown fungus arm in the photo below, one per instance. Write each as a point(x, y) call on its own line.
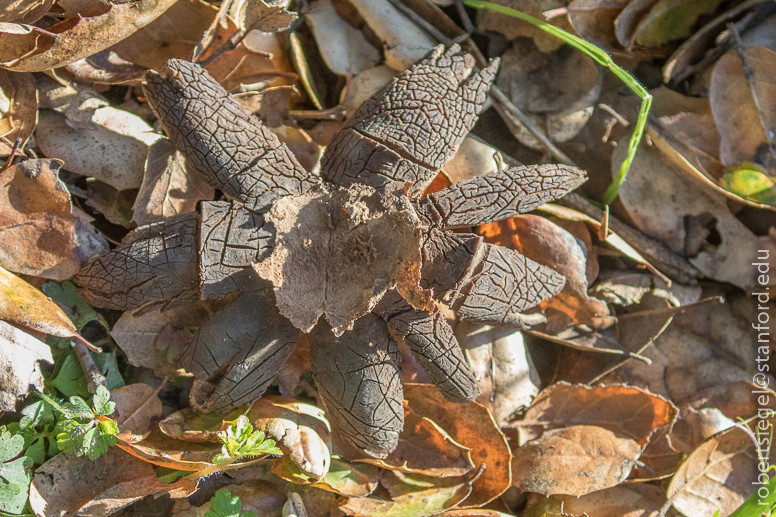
point(411, 128)
point(154, 263)
point(223, 143)
point(359, 380)
point(238, 351)
point(433, 344)
point(503, 283)
point(231, 239)
point(500, 195)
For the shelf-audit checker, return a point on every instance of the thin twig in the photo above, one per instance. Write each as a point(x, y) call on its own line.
point(14, 152)
point(93, 376)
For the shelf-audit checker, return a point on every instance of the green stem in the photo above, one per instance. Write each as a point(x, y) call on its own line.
point(50, 401)
point(601, 57)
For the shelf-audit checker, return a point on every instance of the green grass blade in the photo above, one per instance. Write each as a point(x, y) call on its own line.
point(601, 57)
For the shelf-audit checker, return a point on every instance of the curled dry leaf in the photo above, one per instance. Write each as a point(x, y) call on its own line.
point(403, 42)
point(137, 407)
point(69, 485)
point(742, 101)
point(19, 356)
point(593, 20)
point(167, 189)
point(472, 426)
point(301, 428)
point(665, 204)
point(625, 410)
point(575, 460)
point(26, 306)
point(19, 92)
point(159, 449)
point(40, 236)
point(344, 49)
point(265, 16)
point(504, 370)
point(24, 11)
point(26, 48)
point(554, 247)
point(718, 476)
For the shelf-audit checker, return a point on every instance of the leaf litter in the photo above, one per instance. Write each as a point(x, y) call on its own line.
point(653, 411)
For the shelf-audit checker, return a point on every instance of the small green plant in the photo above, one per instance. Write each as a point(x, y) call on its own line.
point(15, 474)
point(86, 430)
point(602, 58)
point(224, 505)
point(241, 441)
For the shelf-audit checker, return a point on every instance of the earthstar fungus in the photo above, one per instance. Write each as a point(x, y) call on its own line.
point(359, 246)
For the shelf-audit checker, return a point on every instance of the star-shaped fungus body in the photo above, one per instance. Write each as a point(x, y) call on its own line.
point(357, 258)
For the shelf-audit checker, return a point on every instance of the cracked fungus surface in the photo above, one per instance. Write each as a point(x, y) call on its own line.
point(357, 258)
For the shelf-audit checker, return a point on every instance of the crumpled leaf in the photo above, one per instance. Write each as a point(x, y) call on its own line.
point(40, 236)
point(665, 205)
point(628, 411)
point(575, 460)
point(472, 426)
point(19, 356)
point(504, 370)
point(167, 188)
point(742, 101)
point(545, 242)
point(26, 48)
point(137, 406)
point(20, 116)
point(344, 49)
point(265, 16)
point(67, 484)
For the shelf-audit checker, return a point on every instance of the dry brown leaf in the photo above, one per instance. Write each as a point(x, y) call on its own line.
point(689, 218)
point(20, 115)
point(26, 306)
point(513, 27)
point(19, 356)
point(167, 188)
point(425, 448)
point(106, 67)
point(575, 460)
point(471, 425)
point(66, 484)
point(473, 158)
point(40, 235)
point(743, 102)
point(138, 408)
point(626, 22)
point(24, 11)
point(29, 49)
point(594, 21)
point(160, 449)
point(556, 90)
point(717, 476)
point(625, 410)
point(626, 500)
point(154, 339)
point(545, 242)
point(404, 43)
point(344, 49)
point(501, 364)
point(265, 16)
point(172, 35)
